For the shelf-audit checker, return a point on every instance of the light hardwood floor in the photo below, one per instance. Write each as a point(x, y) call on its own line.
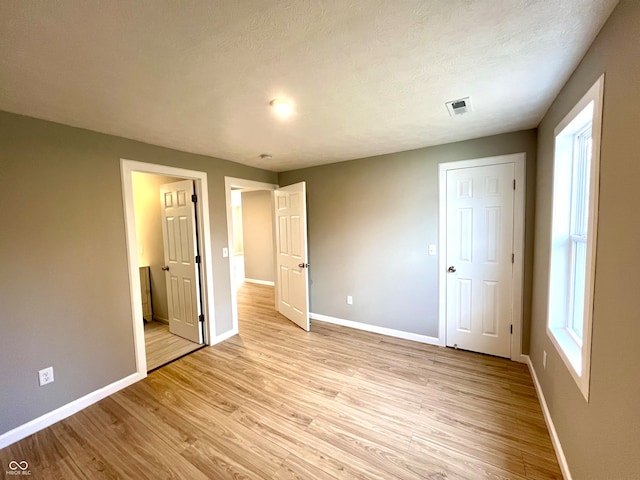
point(277, 402)
point(162, 346)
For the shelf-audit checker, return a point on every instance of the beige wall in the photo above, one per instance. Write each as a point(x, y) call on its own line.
point(257, 222)
point(601, 439)
point(64, 291)
point(370, 224)
point(146, 198)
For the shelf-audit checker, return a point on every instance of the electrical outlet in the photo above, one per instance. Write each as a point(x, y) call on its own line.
point(544, 359)
point(46, 376)
point(349, 300)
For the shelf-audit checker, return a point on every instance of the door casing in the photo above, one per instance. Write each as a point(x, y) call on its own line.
point(519, 161)
point(127, 167)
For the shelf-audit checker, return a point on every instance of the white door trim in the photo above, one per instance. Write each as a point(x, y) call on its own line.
point(519, 161)
point(247, 185)
point(127, 167)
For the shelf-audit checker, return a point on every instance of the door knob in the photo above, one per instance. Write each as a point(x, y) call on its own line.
point(303, 265)
point(451, 269)
point(166, 269)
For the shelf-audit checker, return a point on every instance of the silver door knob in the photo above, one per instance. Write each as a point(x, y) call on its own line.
point(166, 269)
point(451, 269)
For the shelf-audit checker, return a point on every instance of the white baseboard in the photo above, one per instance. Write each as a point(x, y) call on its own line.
point(161, 320)
point(65, 411)
point(259, 282)
point(223, 336)
point(374, 329)
point(555, 440)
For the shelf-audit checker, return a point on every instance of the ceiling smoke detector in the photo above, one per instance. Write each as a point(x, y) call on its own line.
point(459, 107)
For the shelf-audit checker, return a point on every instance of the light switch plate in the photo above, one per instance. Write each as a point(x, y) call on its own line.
point(225, 252)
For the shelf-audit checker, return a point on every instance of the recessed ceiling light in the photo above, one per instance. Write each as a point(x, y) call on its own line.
point(281, 107)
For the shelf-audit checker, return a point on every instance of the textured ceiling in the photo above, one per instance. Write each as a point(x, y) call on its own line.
point(366, 77)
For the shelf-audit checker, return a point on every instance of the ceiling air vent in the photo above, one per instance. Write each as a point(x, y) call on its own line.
point(459, 107)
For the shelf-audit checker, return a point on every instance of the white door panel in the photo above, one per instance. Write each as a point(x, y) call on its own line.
point(479, 232)
point(291, 245)
point(179, 236)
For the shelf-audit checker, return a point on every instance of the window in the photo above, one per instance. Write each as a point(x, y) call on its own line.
point(579, 229)
point(573, 233)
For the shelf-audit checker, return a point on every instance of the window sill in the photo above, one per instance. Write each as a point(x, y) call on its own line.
point(572, 355)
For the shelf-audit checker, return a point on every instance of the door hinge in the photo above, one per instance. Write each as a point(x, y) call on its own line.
point(514, 184)
point(201, 318)
point(513, 258)
point(197, 258)
point(194, 198)
point(511, 330)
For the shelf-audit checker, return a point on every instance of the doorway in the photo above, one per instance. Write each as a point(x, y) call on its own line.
point(481, 263)
point(169, 285)
point(250, 225)
point(140, 254)
point(289, 239)
point(252, 248)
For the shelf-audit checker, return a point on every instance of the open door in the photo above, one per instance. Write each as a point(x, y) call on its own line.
point(180, 250)
point(291, 254)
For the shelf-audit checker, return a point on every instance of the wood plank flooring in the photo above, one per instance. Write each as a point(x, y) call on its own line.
point(276, 402)
point(162, 346)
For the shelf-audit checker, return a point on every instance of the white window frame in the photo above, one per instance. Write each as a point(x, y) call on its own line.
point(575, 352)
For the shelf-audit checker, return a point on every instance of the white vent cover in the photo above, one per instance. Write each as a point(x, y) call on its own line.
point(459, 107)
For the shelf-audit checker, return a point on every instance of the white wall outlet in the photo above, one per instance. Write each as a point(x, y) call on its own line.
point(544, 359)
point(225, 252)
point(349, 300)
point(433, 250)
point(46, 376)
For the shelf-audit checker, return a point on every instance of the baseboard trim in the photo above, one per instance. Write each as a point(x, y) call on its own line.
point(67, 410)
point(259, 282)
point(161, 320)
point(223, 336)
point(555, 440)
point(375, 329)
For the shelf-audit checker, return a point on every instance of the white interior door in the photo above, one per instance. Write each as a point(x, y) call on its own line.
point(479, 243)
point(291, 254)
point(181, 270)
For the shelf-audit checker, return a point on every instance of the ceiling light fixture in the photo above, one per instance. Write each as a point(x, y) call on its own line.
point(281, 107)
point(265, 156)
